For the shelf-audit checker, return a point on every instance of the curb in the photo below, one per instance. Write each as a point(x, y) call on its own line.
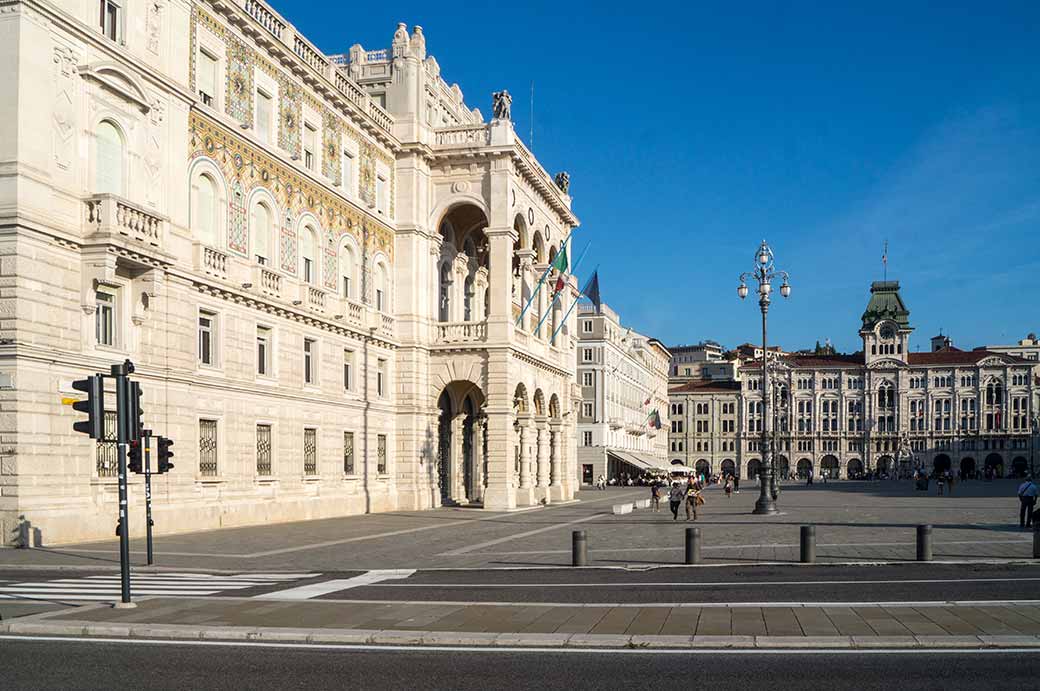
point(512, 640)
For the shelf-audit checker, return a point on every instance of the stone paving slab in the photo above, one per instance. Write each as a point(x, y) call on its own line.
point(238, 619)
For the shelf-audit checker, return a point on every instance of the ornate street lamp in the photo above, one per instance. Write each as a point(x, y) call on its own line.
point(763, 274)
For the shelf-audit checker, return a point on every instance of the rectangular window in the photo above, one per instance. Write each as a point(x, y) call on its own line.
point(586, 409)
point(207, 338)
point(380, 300)
point(208, 448)
point(112, 19)
point(586, 378)
point(381, 378)
point(348, 453)
point(586, 326)
point(309, 351)
point(348, 173)
point(264, 116)
point(382, 199)
point(310, 451)
point(586, 438)
point(348, 370)
point(263, 450)
point(310, 145)
point(206, 77)
point(381, 454)
point(263, 351)
point(586, 355)
point(105, 318)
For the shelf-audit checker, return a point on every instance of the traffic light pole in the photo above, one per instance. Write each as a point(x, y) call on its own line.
point(146, 439)
point(123, 434)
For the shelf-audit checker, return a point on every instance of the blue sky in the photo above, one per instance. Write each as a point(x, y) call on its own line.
point(694, 130)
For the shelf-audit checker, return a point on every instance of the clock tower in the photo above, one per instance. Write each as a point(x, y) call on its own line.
point(886, 324)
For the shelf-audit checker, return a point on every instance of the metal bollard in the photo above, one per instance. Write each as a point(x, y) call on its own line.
point(579, 548)
point(808, 544)
point(1036, 538)
point(924, 543)
point(693, 545)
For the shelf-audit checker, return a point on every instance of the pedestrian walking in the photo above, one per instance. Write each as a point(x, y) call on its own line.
point(808, 478)
point(729, 486)
point(940, 482)
point(736, 484)
point(675, 498)
point(655, 496)
point(693, 498)
point(1027, 493)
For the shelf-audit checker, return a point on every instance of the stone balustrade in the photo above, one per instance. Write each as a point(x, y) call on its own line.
point(355, 313)
point(265, 17)
point(312, 298)
point(460, 332)
point(310, 55)
point(387, 326)
point(381, 117)
point(269, 282)
point(210, 261)
point(111, 215)
point(468, 135)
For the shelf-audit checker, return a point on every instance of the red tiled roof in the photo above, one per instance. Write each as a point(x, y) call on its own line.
point(946, 356)
point(706, 386)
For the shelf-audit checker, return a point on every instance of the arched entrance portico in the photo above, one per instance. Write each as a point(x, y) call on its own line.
point(1019, 467)
point(728, 467)
point(805, 467)
point(967, 466)
point(829, 464)
point(783, 466)
point(885, 465)
point(703, 468)
point(461, 444)
point(994, 461)
point(854, 469)
point(754, 467)
point(942, 463)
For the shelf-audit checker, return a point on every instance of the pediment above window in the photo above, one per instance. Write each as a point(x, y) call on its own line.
point(115, 79)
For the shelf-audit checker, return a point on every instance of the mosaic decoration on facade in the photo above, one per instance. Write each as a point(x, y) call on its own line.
point(239, 97)
point(367, 175)
point(248, 168)
point(331, 159)
point(290, 116)
point(331, 269)
point(287, 244)
point(238, 229)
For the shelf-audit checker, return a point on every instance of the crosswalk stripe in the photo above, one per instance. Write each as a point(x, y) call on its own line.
point(306, 592)
point(107, 586)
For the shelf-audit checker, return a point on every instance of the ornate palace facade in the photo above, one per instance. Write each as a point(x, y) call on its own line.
point(315, 262)
point(884, 408)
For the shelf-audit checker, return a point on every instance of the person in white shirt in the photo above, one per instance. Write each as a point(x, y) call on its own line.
point(1027, 493)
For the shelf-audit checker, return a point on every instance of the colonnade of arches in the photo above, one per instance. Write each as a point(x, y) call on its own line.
point(538, 451)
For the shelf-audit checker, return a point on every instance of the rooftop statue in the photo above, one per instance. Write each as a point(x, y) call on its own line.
point(502, 104)
point(563, 181)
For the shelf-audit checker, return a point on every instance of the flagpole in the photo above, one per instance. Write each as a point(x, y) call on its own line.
point(556, 297)
point(569, 310)
point(534, 293)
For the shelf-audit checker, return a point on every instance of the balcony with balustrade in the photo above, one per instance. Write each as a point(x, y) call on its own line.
point(110, 218)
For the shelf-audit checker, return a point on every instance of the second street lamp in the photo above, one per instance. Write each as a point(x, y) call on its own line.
point(764, 273)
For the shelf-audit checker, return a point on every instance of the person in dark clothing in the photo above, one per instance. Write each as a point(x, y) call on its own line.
point(675, 499)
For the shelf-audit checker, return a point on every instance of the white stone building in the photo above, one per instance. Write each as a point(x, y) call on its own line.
point(623, 377)
point(883, 409)
point(315, 263)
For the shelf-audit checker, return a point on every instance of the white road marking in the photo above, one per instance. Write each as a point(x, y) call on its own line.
point(516, 536)
point(706, 584)
point(758, 546)
point(515, 649)
point(815, 604)
point(107, 587)
point(312, 590)
point(359, 538)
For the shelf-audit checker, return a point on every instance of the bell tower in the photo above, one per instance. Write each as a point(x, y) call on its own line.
point(886, 324)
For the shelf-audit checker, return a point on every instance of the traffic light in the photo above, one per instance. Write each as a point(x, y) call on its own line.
point(134, 457)
point(165, 455)
point(134, 414)
point(94, 406)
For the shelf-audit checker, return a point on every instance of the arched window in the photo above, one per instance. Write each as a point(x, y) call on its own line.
point(444, 299)
point(261, 225)
point(308, 256)
point(108, 166)
point(205, 209)
point(346, 270)
point(382, 289)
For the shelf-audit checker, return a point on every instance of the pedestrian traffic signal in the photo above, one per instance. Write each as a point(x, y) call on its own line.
point(134, 415)
point(165, 455)
point(94, 406)
point(134, 457)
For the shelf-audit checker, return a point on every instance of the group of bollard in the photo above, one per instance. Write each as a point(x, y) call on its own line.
point(807, 544)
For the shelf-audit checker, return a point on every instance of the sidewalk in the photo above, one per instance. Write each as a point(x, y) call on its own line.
point(924, 625)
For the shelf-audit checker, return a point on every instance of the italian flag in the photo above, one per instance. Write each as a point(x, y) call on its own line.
point(561, 265)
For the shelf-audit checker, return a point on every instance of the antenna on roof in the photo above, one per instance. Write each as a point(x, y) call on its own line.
point(884, 261)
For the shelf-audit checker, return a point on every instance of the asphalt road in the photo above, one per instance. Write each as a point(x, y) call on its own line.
point(812, 584)
point(51, 664)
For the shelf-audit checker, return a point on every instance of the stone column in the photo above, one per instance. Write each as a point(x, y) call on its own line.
point(500, 311)
point(525, 495)
point(543, 458)
point(499, 492)
point(455, 474)
point(479, 460)
point(557, 466)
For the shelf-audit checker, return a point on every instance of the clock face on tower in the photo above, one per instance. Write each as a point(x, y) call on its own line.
point(887, 332)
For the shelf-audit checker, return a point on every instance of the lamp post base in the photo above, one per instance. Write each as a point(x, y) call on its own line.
point(766, 504)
